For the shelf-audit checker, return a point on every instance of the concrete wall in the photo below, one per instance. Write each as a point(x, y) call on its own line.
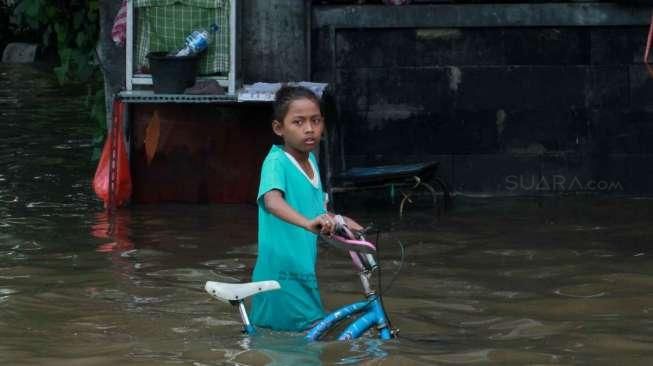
point(511, 98)
point(274, 40)
point(112, 57)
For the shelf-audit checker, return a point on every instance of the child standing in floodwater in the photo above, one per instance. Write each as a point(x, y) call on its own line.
point(292, 211)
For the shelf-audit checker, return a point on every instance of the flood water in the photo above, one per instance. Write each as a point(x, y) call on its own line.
point(497, 281)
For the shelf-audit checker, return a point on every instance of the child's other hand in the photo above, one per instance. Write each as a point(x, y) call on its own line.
point(353, 225)
point(322, 224)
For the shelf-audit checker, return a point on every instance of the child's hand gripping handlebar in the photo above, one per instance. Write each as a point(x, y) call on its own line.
point(360, 250)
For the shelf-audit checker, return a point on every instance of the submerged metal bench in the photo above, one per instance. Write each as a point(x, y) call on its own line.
point(408, 178)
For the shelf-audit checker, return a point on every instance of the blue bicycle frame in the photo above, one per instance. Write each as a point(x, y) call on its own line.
point(374, 314)
point(371, 310)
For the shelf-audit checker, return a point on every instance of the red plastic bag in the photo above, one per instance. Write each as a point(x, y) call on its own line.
point(123, 187)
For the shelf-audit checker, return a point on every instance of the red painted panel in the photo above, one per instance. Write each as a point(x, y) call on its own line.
point(205, 153)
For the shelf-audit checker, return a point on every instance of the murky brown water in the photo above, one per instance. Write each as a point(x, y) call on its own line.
point(555, 281)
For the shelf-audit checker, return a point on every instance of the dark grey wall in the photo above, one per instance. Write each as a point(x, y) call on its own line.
point(274, 38)
point(511, 98)
point(112, 57)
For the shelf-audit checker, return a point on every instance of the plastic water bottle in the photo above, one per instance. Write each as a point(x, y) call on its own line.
point(196, 42)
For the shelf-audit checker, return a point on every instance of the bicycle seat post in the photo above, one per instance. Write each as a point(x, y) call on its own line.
point(236, 293)
point(247, 326)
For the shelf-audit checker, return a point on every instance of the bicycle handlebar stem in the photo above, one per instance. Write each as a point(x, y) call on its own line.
point(365, 281)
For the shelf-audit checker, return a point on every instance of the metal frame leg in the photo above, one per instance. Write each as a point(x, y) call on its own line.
point(411, 190)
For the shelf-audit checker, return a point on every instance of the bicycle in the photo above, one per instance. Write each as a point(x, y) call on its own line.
point(371, 310)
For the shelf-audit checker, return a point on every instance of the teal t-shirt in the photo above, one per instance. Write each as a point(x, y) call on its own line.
point(287, 253)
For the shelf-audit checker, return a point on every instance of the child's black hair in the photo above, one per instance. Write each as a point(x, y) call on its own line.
point(288, 94)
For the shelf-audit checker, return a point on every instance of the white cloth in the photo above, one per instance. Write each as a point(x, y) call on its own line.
point(316, 179)
point(265, 91)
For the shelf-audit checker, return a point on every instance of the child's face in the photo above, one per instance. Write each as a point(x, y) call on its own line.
point(302, 127)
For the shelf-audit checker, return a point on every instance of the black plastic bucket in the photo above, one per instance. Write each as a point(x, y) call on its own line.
point(172, 74)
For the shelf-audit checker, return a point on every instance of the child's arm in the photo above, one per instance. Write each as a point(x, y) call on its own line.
point(277, 205)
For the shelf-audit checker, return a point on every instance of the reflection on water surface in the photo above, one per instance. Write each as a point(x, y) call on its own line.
point(498, 281)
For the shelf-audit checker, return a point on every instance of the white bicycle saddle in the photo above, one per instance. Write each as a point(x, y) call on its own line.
point(238, 291)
